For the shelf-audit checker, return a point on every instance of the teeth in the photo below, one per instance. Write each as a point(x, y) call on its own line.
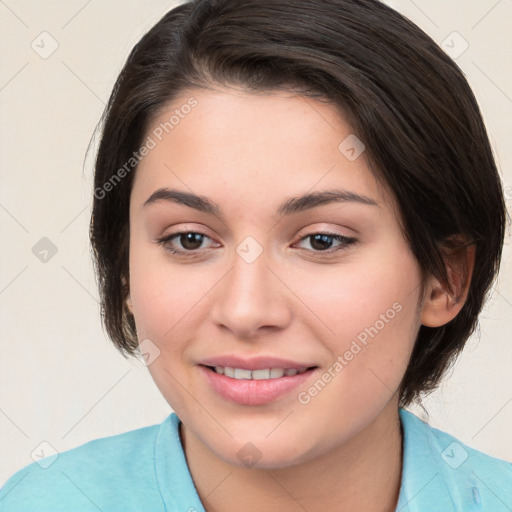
point(242, 374)
point(268, 373)
point(260, 374)
point(275, 373)
point(229, 372)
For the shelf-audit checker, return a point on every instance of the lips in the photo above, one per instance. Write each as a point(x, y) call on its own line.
point(255, 381)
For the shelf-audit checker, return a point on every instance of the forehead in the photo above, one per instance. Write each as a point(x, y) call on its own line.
point(274, 143)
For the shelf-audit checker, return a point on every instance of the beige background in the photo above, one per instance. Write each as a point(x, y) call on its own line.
point(62, 382)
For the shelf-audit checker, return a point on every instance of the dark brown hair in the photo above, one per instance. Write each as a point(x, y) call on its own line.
point(405, 98)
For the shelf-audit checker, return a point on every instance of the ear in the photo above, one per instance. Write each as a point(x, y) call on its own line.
point(128, 300)
point(440, 303)
point(129, 304)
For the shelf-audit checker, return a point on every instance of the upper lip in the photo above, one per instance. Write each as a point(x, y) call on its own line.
point(255, 363)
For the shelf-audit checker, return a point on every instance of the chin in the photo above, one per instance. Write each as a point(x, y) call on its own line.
point(262, 453)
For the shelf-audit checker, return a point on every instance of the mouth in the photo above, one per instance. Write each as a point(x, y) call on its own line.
point(260, 374)
point(253, 387)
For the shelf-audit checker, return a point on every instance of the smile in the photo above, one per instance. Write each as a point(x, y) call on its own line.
point(255, 387)
point(263, 374)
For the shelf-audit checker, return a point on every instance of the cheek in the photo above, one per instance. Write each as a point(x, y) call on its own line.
point(362, 299)
point(163, 305)
point(376, 323)
point(373, 321)
point(159, 292)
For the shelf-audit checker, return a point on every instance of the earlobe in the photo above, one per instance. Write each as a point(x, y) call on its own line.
point(129, 304)
point(441, 304)
point(128, 300)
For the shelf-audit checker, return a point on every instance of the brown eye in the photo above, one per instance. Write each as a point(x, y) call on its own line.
point(188, 242)
point(322, 242)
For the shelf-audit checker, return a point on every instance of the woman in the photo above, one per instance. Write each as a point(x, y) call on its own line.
point(297, 218)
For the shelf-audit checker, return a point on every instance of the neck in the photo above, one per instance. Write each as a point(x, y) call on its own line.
point(362, 474)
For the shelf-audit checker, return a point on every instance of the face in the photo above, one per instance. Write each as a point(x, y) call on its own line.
point(310, 304)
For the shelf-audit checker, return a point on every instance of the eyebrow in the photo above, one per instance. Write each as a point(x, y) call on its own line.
point(288, 207)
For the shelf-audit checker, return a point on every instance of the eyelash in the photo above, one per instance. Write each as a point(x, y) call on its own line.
point(164, 241)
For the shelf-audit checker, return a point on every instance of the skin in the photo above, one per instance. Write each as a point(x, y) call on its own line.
point(248, 153)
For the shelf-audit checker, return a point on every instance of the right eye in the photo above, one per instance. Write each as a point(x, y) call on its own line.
point(190, 242)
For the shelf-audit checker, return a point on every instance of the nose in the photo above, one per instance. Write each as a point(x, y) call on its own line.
point(251, 299)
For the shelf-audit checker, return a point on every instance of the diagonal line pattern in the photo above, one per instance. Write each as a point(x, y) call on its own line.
point(15, 485)
point(83, 82)
point(504, 298)
point(13, 423)
point(218, 485)
point(74, 218)
point(13, 217)
point(501, 409)
point(13, 13)
point(104, 395)
point(13, 279)
point(14, 76)
point(405, 506)
point(382, 382)
point(280, 423)
point(85, 494)
point(490, 489)
point(486, 14)
point(75, 15)
point(492, 81)
point(285, 490)
point(307, 100)
point(424, 14)
point(79, 284)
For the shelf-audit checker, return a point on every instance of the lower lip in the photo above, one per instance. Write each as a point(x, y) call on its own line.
point(253, 392)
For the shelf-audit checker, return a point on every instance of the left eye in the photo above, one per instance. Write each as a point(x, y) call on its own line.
point(321, 242)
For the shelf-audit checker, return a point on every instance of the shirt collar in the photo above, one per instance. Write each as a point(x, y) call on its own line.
point(172, 472)
point(425, 485)
point(422, 476)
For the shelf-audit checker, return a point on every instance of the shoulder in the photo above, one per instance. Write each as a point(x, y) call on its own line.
point(467, 477)
point(111, 473)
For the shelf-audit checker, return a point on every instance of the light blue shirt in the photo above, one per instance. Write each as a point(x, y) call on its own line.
point(146, 470)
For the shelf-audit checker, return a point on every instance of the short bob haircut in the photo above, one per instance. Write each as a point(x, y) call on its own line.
point(402, 95)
